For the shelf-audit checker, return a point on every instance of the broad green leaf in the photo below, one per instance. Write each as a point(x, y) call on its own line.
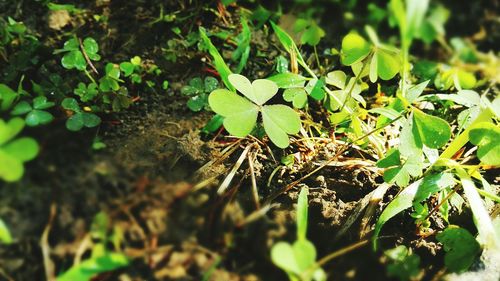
point(312, 35)
point(305, 254)
point(388, 64)
point(219, 63)
point(288, 80)
point(7, 97)
point(401, 202)
point(90, 120)
point(401, 174)
point(38, 117)
point(410, 145)
point(374, 68)
point(127, 68)
point(74, 59)
point(90, 46)
point(288, 44)
point(297, 96)
point(197, 103)
point(259, 91)
point(461, 248)
point(240, 114)
point(41, 102)
point(406, 268)
point(315, 89)
point(486, 136)
point(434, 132)
point(70, 104)
point(210, 84)
point(75, 122)
point(11, 169)
point(354, 49)
point(10, 129)
point(5, 236)
point(280, 120)
point(336, 78)
point(283, 256)
point(433, 184)
point(21, 108)
point(22, 149)
point(71, 45)
point(302, 214)
point(392, 158)
point(466, 79)
point(415, 12)
point(214, 124)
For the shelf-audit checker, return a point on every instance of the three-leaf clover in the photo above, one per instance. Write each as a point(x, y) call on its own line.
point(110, 81)
point(384, 61)
point(36, 114)
point(80, 118)
point(86, 92)
point(241, 113)
point(14, 152)
point(198, 91)
point(74, 58)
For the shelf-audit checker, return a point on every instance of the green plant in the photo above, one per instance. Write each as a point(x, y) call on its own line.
point(298, 260)
point(404, 264)
point(35, 113)
point(240, 114)
point(461, 248)
point(79, 117)
point(5, 236)
point(198, 91)
point(77, 54)
point(102, 259)
point(14, 151)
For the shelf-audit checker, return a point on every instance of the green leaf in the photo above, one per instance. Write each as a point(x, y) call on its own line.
point(316, 92)
point(336, 78)
point(21, 108)
point(210, 84)
point(404, 266)
point(434, 132)
point(305, 254)
point(415, 91)
point(88, 269)
point(297, 96)
point(240, 114)
point(401, 174)
point(74, 59)
point(90, 120)
point(90, 46)
point(280, 120)
point(38, 117)
point(41, 102)
point(219, 63)
point(288, 80)
point(461, 248)
point(7, 97)
point(127, 68)
point(388, 64)
point(75, 122)
point(401, 202)
point(312, 35)
point(302, 214)
point(23, 149)
point(198, 102)
point(5, 236)
point(486, 136)
point(10, 129)
point(259, 91)
point(354, 49)
point(11, 169)
point(410, 145)
point(214, 124)
point(391, 159)
point(70, 104)
point(283, 256)
point(433, 184)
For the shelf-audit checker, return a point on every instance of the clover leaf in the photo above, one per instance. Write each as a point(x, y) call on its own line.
point(486, 135)
point(80, 118)
point(241, 113)
point(35, 114)
point(74, 58)
point(86, 92)
point(198, 91)
point(461, 248)
point(384, 61)
point(338, 97)
point(110, 81)
point(311, 32)
point(7, 97)
point(14, 152)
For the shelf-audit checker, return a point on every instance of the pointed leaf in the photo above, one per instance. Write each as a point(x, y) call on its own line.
point(434, 131)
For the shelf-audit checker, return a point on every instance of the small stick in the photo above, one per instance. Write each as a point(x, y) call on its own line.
point(44, 244)
point(87, 57)
point(255, 191)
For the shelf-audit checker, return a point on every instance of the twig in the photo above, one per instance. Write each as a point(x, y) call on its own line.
point(255, 191)
point(44, 245)
point(87, 57)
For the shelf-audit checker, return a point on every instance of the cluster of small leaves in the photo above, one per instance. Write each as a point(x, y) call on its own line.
point(73, 55)
point(35, 112)
point(198, 91)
